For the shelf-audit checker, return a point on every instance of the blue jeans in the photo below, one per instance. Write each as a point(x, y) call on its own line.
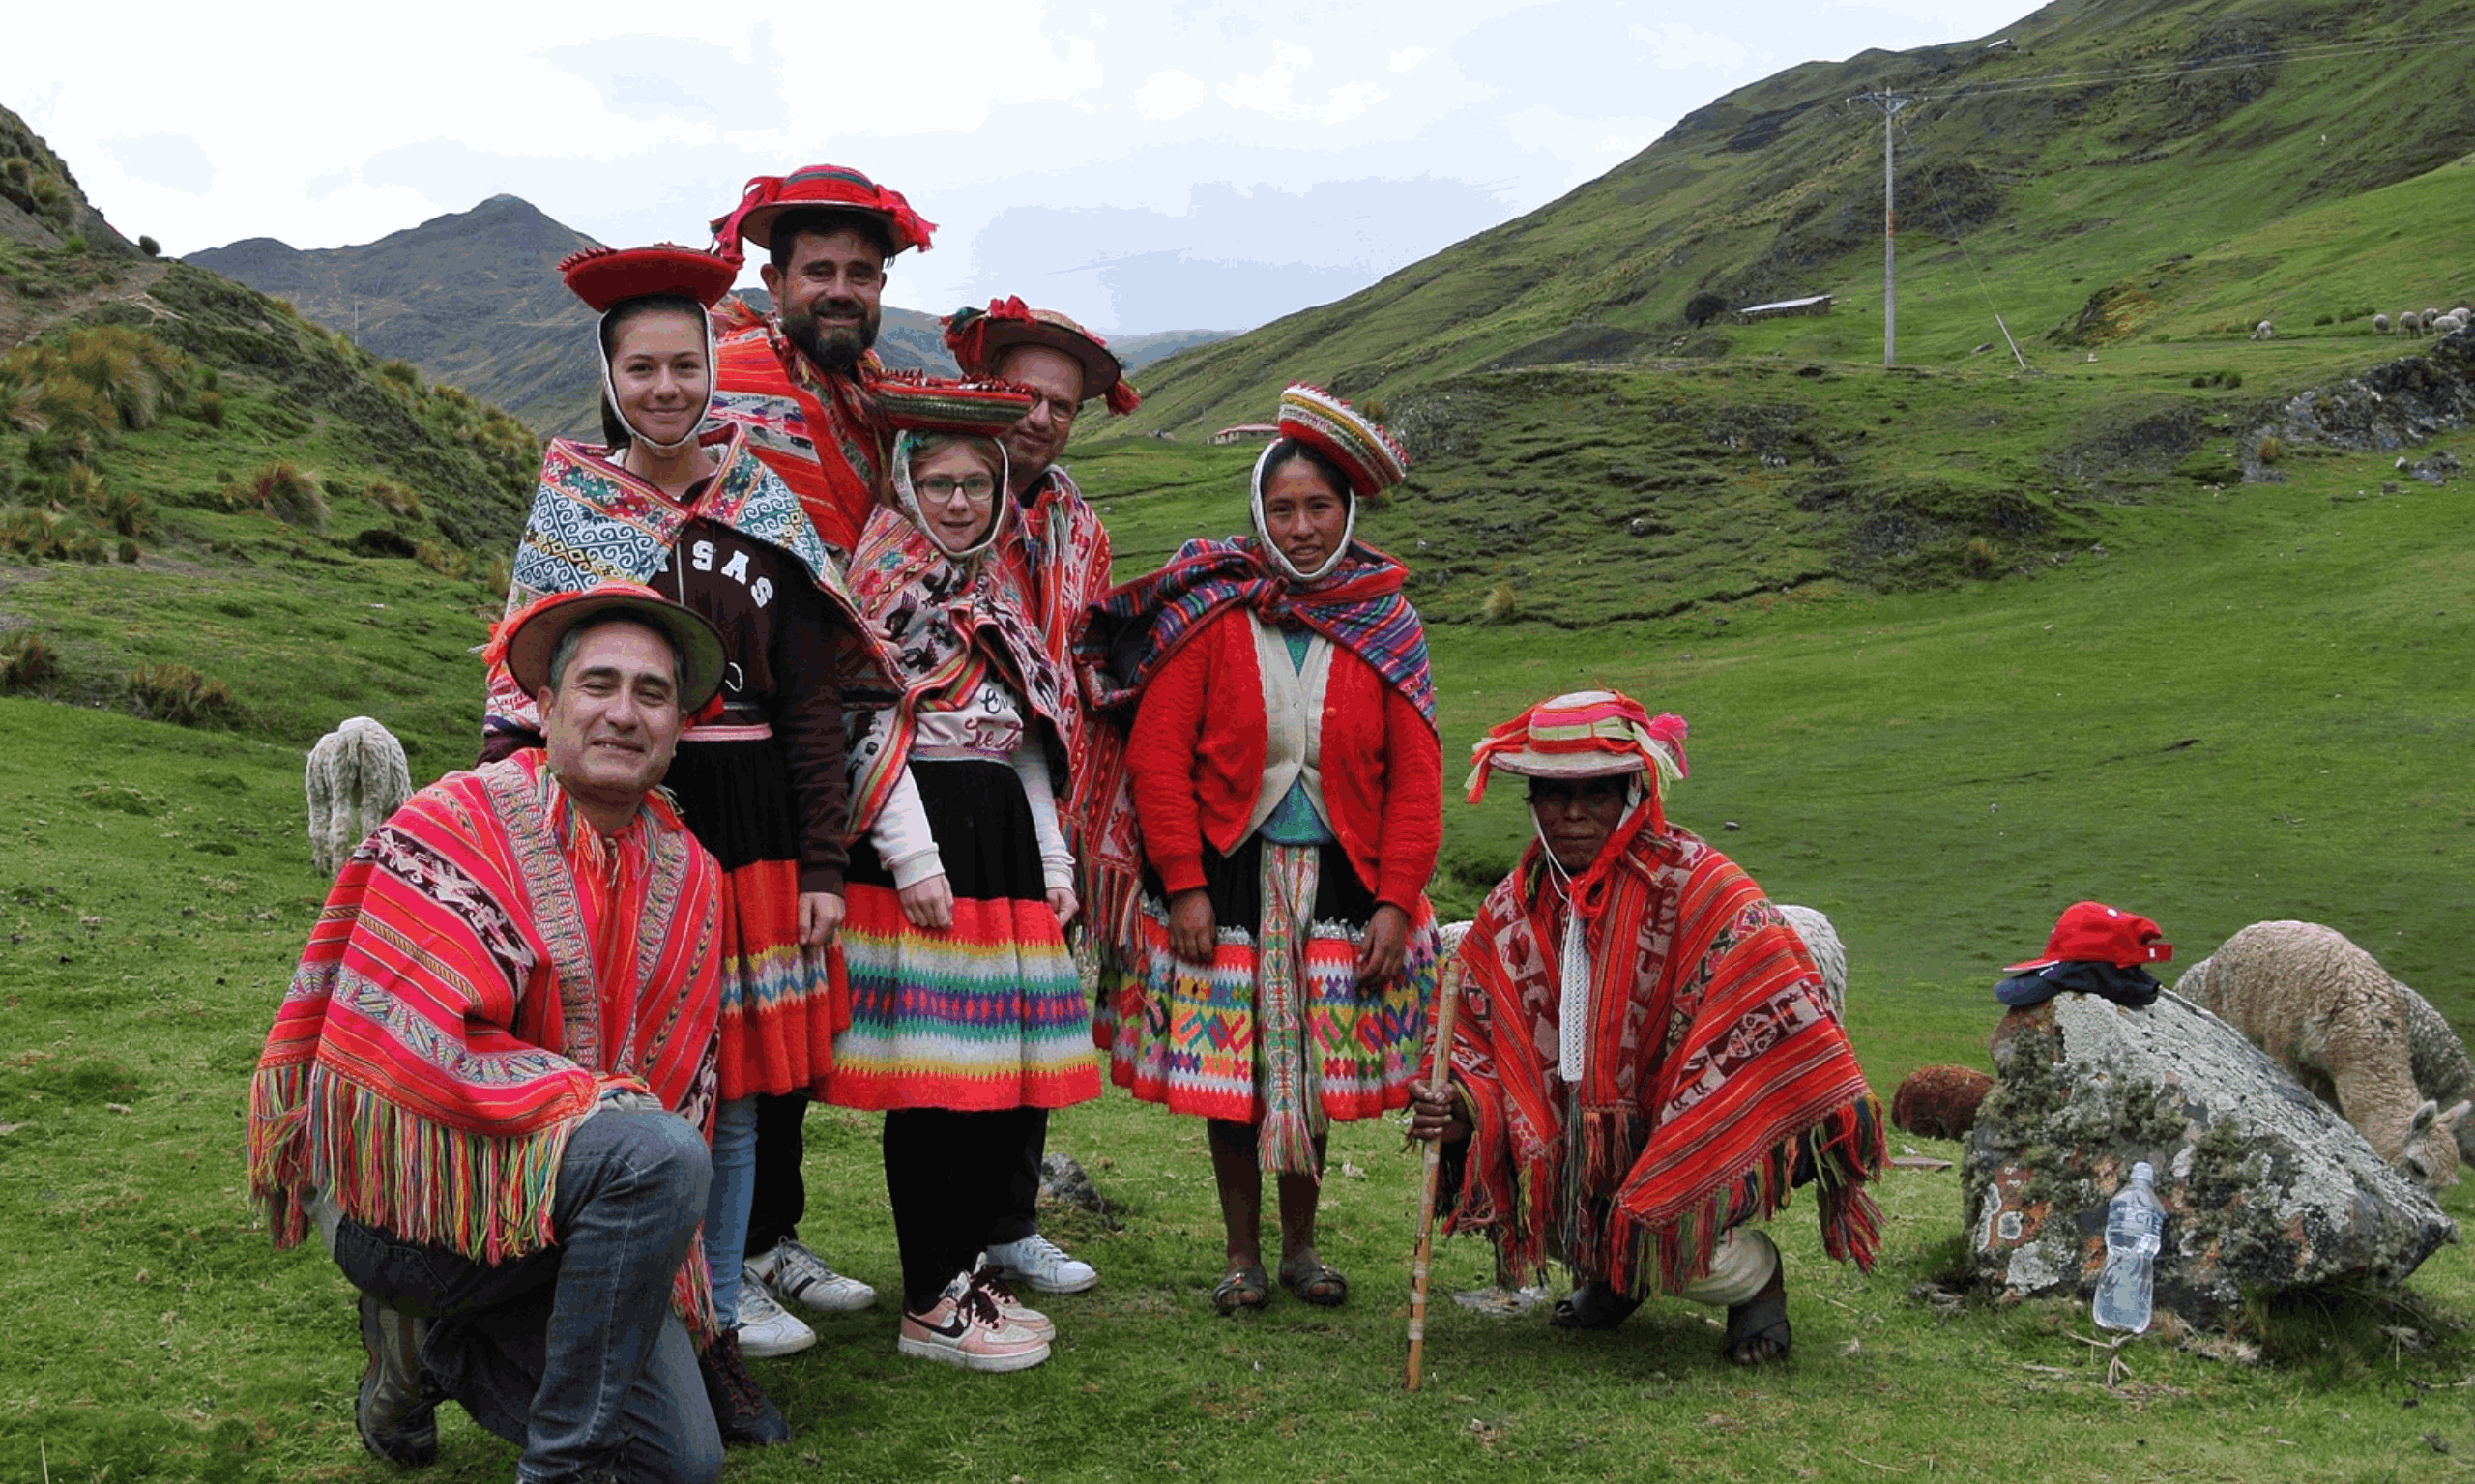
point(572, 1353)
point(733, 1197)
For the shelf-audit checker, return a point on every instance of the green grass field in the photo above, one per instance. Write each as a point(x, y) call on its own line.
point(2250, 706)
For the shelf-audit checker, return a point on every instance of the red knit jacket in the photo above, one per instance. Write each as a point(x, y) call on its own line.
point(1196, 761)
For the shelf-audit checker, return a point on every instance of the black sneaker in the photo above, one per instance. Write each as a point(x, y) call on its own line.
point(395, 1414)
point(746, 1416)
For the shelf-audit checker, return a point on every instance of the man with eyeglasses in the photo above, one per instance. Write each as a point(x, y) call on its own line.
point(1644, 1060)
point(1060, 561)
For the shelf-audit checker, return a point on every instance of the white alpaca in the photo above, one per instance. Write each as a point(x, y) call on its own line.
point(1830, 957)
point(2327, 1010)
point(357, 776)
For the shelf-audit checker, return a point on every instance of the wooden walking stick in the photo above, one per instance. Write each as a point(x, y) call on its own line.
point(1448, 999)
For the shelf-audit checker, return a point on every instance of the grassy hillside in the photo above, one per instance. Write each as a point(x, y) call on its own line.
point(2112, 138)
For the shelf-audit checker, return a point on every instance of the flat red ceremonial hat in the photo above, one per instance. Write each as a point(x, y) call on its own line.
point(979, 339)
point(917, 402)
point(2094, 932)
point(602, 276)
point(766, 198)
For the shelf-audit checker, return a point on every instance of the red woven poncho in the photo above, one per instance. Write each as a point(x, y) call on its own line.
point(486, 963)
point(1714, 1079)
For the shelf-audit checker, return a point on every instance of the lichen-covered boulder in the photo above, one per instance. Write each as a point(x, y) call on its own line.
point(2265, 1186)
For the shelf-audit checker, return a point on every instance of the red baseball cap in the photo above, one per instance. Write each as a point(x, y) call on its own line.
point(2092, 931)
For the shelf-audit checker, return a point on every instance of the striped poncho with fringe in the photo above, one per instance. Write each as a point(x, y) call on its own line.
point(487, 963)
point(1714, 1080)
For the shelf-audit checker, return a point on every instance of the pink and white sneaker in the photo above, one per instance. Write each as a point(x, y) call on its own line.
point(965, 1327)
point(992, 1282)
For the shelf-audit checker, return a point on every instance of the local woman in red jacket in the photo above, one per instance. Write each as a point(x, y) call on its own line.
point(1286, 776)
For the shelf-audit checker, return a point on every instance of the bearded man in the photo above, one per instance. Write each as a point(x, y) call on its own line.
point(798, 378)
point(1643, 1060)
point(1059, 560)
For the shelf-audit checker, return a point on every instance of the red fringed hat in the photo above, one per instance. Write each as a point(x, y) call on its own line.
point(766, 198)
point(917, 402)
point(1583, 734)
point(979, 340)
point(528, 637)
point(1341, 433)
point(602, 276)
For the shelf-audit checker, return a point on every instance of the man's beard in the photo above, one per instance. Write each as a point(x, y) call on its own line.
point(838, 350)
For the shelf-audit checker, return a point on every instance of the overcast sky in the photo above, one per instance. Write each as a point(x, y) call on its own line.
point(1159, 165)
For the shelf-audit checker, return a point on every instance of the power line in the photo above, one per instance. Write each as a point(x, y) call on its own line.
point(1890, 103)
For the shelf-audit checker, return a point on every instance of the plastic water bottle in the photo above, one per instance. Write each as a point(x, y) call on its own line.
point(2135, 1231)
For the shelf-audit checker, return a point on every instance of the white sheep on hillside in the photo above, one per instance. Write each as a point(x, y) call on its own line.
point(2449, 324)
point(2264, 331)
point(2443, 1074)
point(2327, 1010)
point(2380, 324)
point(357, 776)
point(1830, 957)
point(2410, 322)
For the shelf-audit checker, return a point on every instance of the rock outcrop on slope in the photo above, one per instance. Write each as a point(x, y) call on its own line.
point(2266, 1189)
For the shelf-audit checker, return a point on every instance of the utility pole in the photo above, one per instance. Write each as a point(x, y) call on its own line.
point(1890, 103)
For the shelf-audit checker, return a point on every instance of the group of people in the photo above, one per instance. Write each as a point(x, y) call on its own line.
point(813, 726)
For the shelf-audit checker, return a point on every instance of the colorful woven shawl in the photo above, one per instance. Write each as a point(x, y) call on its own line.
point(1059, 560)
point(594, 522)
point(1714, 1080)
point(486, 963)
point(820, 433)
point(945, 623)
point(1359, 607)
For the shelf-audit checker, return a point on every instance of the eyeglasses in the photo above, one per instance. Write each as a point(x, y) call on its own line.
point(979, 489)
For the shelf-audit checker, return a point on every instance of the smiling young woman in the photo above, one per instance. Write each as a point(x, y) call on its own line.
point(702, 520)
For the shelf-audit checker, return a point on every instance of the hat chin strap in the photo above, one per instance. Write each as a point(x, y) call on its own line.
point(610, 390)
point(1278, 557)
point(1572, 959)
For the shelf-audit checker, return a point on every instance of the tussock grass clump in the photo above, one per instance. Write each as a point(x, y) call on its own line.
point(47, 535)
point(444, 559)
point(209, 408)
point(284, 490)
point(181, 695)
point(27, 663)
point(1502, 604)
point(394, 498)
point(2270, 449)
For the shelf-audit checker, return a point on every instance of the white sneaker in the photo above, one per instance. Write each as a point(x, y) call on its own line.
point(1038, 1263)
point(797, 1276)
point(764, 1327)
point(963, 1327)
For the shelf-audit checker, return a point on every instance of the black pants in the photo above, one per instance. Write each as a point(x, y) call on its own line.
point(1019, 1216)
point(947, 1175)
point(782, 1190)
